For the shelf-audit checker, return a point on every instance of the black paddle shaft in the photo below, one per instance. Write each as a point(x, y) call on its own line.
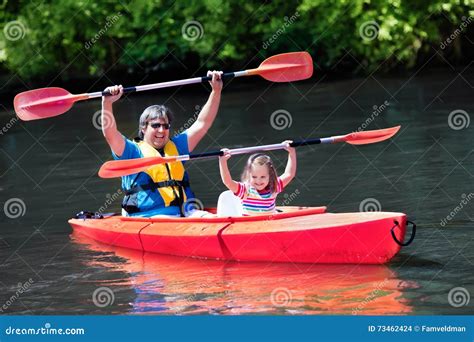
point(125, 91)
point(227, 75)
point(305, 142)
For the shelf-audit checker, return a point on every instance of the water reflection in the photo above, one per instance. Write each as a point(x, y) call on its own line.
point(176, 285)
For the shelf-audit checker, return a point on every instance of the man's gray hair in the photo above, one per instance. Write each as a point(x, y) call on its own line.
point(152, 113)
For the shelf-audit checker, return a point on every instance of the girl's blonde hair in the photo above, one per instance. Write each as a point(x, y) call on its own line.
point(261, 159)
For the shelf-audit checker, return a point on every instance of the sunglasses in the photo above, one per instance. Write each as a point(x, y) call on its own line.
point(158, 125)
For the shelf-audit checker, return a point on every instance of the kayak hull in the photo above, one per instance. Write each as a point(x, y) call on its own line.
point(301, 235)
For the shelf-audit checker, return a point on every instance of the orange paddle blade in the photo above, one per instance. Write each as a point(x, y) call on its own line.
point(119, 168)
point(285, 67)
point(44, 103)
point(369, 137)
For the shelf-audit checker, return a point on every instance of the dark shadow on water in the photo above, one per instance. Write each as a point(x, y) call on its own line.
point(413, 261)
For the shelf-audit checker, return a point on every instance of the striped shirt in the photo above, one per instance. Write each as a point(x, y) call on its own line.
point(256, 202)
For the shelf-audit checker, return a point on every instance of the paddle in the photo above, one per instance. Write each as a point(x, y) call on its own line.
point(48, 102)
point(118, 168)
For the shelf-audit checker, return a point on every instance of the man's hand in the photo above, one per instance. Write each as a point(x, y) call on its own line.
point(116, 92)
point(216, 82)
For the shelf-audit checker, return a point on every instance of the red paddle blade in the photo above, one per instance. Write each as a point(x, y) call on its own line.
point(44, 103)
point(285, 67)
point(119, 168)
point(369, 137)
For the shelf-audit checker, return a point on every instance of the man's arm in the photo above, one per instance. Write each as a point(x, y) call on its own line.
point(109, 127)
point(208, 113)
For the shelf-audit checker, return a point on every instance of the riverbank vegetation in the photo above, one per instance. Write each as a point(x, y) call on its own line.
point(88, 38)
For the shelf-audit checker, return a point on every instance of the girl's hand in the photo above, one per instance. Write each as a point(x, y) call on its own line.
point(226, 154)
point(288, 148)
point(116, 92)
point(216, 82)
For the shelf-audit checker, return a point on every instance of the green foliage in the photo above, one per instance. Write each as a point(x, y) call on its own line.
point(80, 37)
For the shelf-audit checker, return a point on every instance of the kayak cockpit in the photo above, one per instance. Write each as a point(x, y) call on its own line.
point(282, 213)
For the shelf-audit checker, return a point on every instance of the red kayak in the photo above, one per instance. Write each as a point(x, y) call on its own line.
point(296, 234)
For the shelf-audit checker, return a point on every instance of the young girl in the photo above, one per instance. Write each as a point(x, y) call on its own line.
point(260, 184)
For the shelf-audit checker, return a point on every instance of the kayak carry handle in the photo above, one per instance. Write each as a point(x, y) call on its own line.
point(412, 237)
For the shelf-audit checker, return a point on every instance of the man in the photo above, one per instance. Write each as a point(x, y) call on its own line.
point(164, 188)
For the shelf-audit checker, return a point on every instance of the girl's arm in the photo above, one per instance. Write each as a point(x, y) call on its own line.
point(290, 170)
point(225, 173)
